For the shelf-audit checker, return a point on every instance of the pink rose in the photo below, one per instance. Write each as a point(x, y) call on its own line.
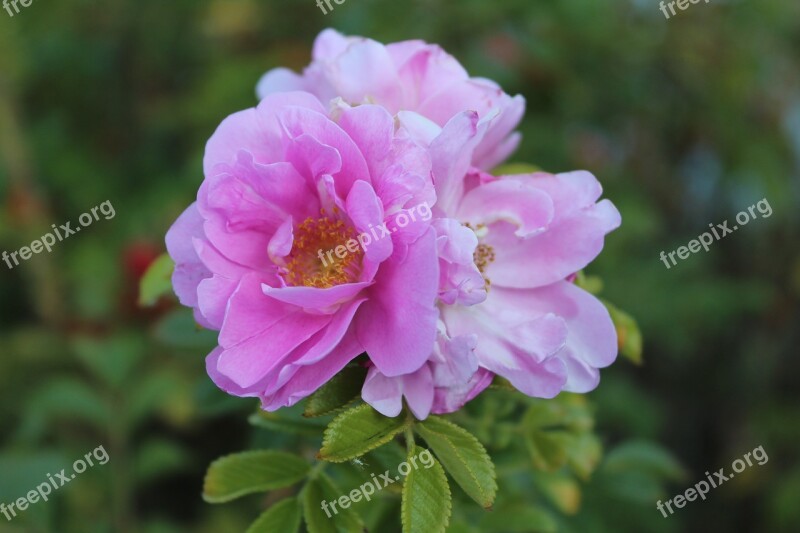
point(404, 76)
point(286, 183)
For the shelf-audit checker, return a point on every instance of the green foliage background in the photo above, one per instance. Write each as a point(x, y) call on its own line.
point(686, 122)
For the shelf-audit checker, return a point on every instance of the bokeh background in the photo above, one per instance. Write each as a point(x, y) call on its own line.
point(685, 121)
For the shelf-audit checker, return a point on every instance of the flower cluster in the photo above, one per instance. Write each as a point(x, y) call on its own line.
point(482, 287)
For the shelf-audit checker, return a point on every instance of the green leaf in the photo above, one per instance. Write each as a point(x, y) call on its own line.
point(546, 435)
point(548, 449)
point(112, 360)
point(336, 518)
point(179, 329)
point(555, 434)
point(591, 284)
point(256, 471)
point(283, 516)
point(464, 458)
point(357, 431)
point(157, 281)
point(628, 334)
point(157, 458)
point(337, 393)
point(644, 457)
point(286, 424)
point(561, 489)
point(584, 454)
point(519, 519)
point(510, 169)
point(426, 502)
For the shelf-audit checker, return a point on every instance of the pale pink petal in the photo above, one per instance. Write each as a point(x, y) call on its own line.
point(418, 392)
point(279, 80)
point(516, 202)
point(384, 394)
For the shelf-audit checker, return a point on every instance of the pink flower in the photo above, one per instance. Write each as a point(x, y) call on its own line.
point(405, 76)
point(286, 182)
point(449, 379)
point(506, 306)
point(535, 328)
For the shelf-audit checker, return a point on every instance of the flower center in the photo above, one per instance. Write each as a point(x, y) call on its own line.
point(483, 254)
point(483, 257)
point(313, 261)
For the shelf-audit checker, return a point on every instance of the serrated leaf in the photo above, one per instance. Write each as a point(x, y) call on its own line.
point(283, 516)
point(426, 503)
point(357, 431)
point(256, 471)
point(330, 517)
point(629, 336)
point(157, 281)
point(337, 393)
point(464, 458)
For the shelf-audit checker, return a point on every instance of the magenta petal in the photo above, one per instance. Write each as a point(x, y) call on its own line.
point(212, 298)
point(366, 212)
point(254, 130)
point(298, 121)
point(189, 270)
point(309, 378)
point(397, 326)
point(372, 129)
point(259, 332)
point(314, 299)
point(222, 381)
point(451, 154)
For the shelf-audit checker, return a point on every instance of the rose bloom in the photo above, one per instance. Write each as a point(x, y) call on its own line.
point(286, 182)
point(404, 76)
point(509, 247)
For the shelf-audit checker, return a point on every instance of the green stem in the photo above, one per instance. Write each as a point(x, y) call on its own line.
point(316, 469)
point(410, 444)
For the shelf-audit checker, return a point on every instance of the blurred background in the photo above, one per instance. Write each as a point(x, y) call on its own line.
point(685, 121)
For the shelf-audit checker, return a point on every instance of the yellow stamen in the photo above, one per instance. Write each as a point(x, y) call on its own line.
point(304, 267)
